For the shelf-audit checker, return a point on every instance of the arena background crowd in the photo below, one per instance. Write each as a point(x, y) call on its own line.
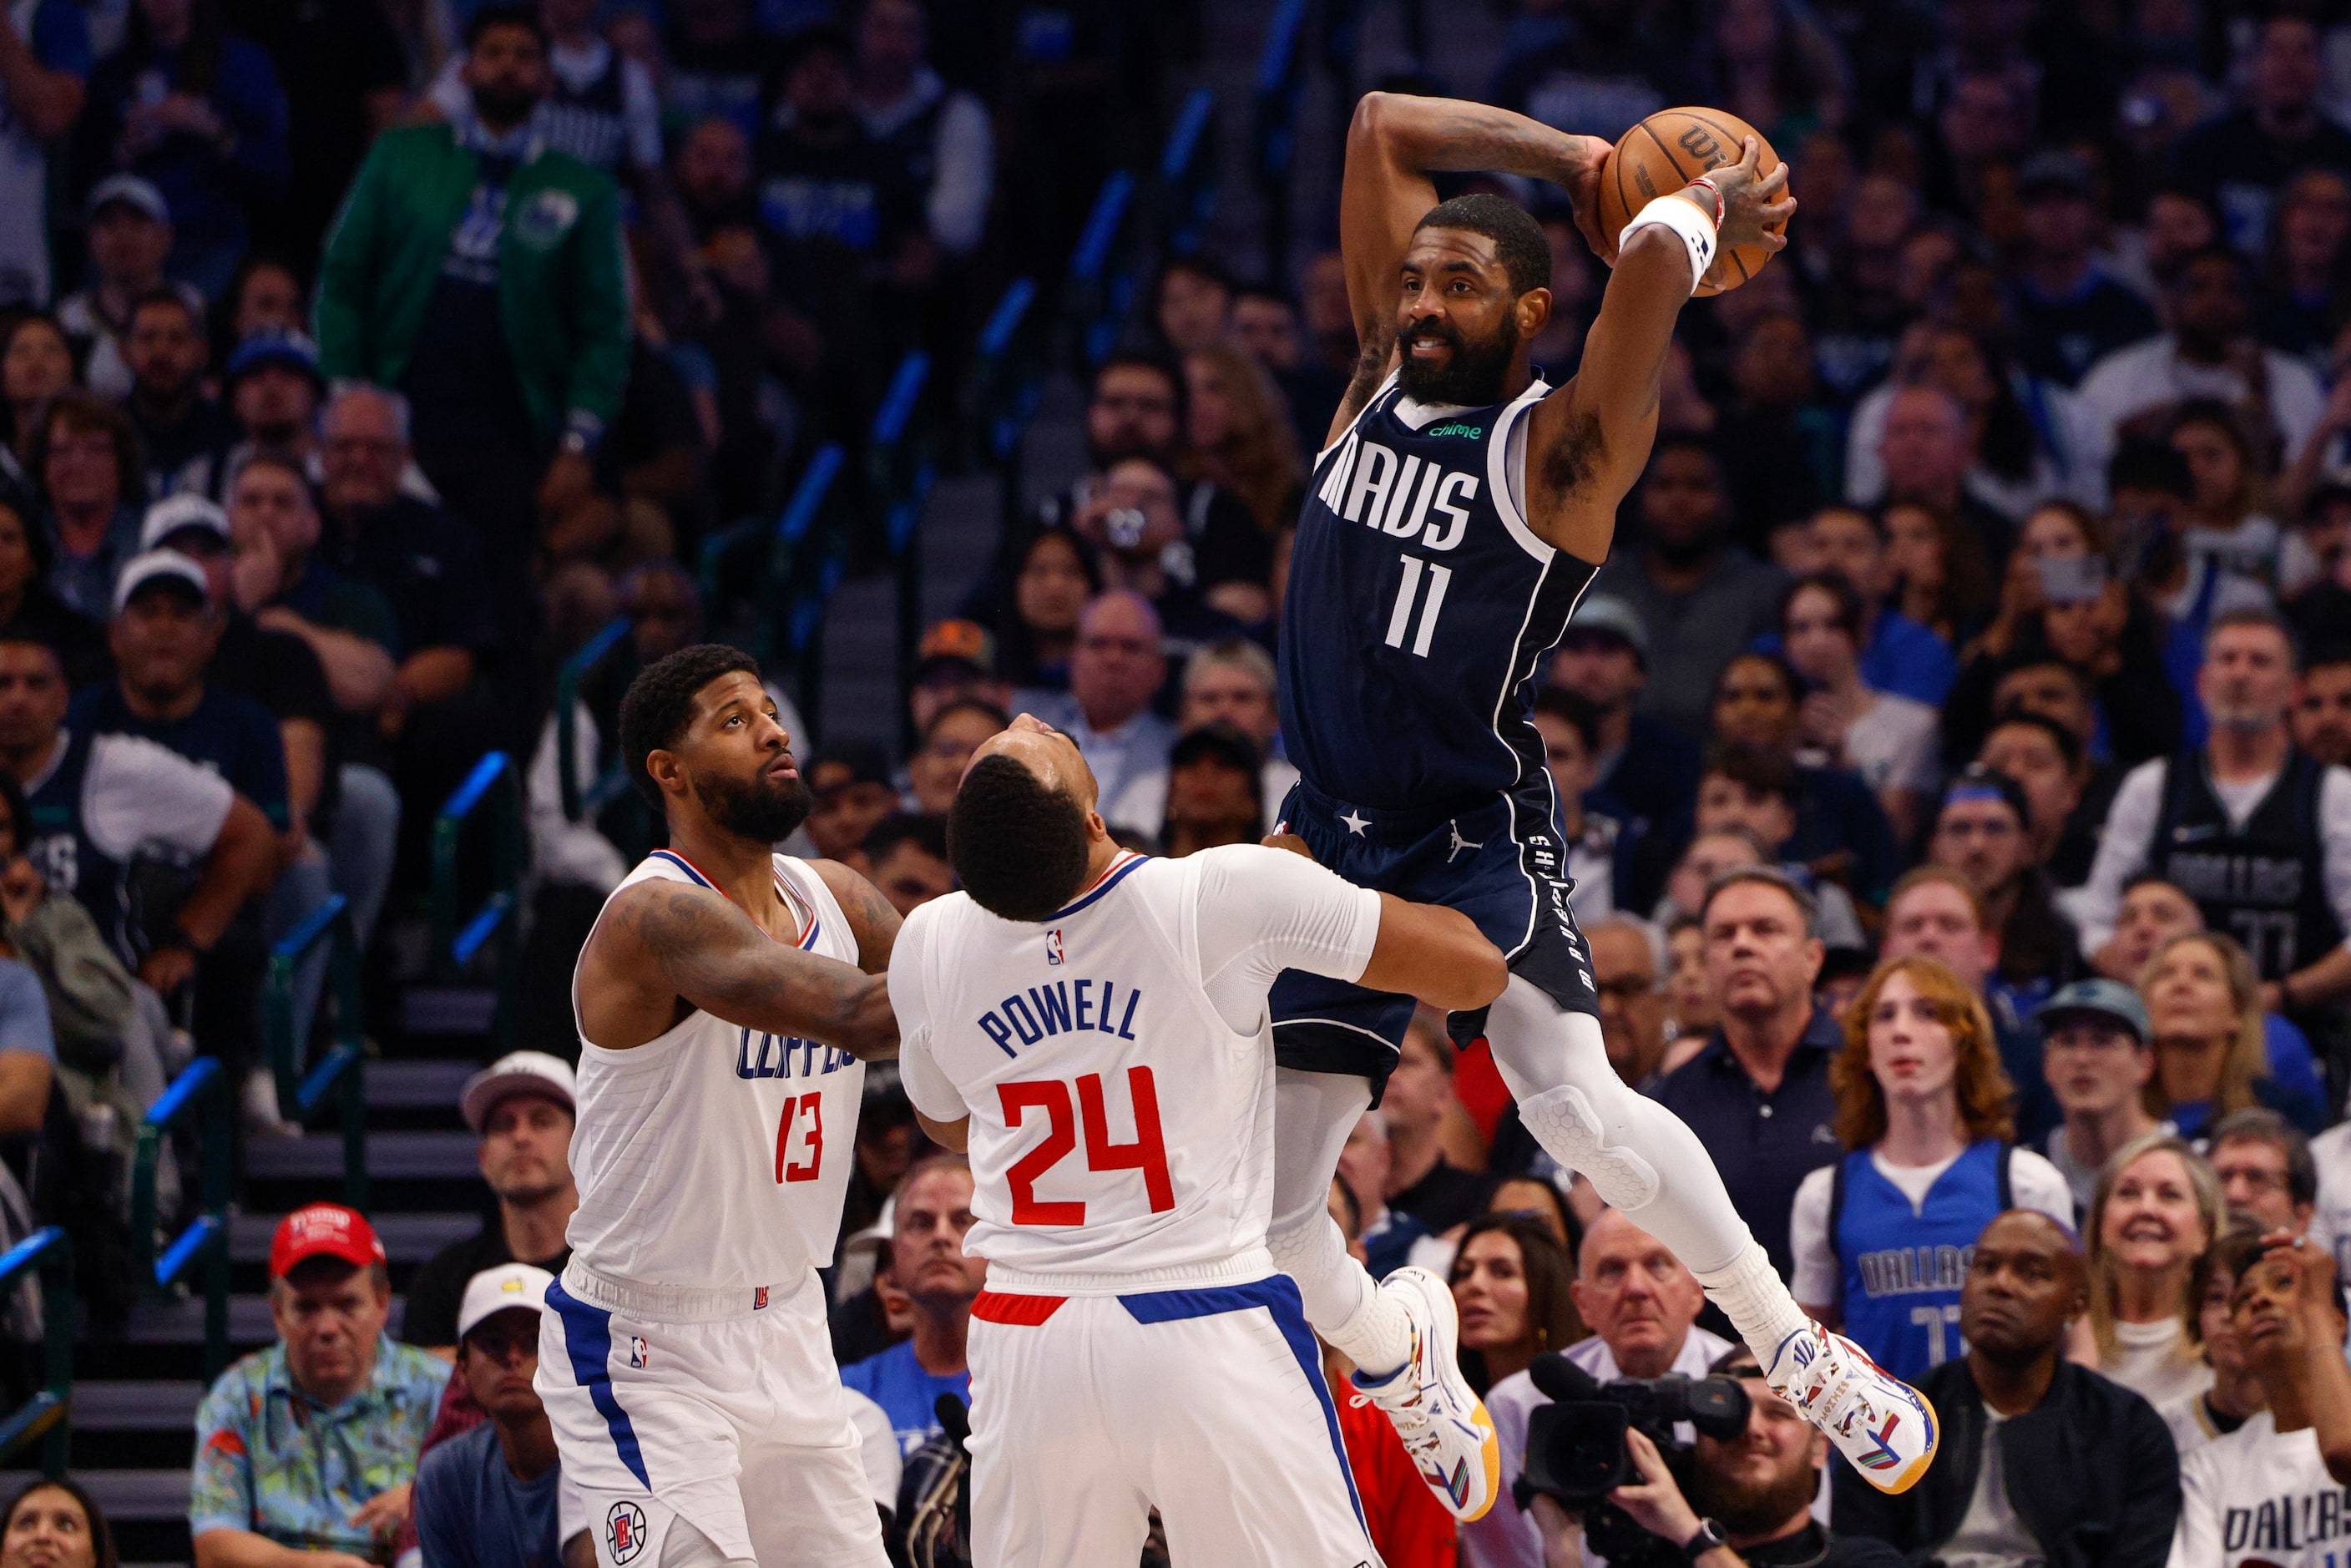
point(383, 382)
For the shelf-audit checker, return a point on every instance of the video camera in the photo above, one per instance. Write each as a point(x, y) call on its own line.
point(1576, 1452)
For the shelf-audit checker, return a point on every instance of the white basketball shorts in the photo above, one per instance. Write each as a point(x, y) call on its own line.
point(1206, 1404)
point(722, 1407)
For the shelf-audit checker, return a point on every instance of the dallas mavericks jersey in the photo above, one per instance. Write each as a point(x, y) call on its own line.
point(1904, 1267)
point(1419, 603)
point(714, 1157)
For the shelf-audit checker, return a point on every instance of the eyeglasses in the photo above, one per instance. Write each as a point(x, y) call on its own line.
point(1627, 987)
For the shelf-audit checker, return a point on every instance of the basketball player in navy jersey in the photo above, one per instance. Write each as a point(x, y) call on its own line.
point(1460, 509)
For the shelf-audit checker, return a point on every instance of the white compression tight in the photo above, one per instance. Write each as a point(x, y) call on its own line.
point(1639, 1156)
point(1313, 1113)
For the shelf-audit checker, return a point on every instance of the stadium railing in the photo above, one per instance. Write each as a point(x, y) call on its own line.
point(1101, 286)
point(1001, 392)
point(44, 1418)
point(1273, 122)
point(199, 1095)
point(1187, 174)
point(494, 787)
point(901, 468)
point(581, 798)
point(341, 1073)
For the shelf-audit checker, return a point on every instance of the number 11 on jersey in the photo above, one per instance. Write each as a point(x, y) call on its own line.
point(1400, 618)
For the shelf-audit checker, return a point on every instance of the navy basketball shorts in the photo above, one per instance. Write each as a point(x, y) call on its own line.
point(1501, 864)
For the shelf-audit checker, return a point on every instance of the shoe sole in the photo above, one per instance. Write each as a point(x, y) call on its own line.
point(1445, 1324)
point(1916, 1471)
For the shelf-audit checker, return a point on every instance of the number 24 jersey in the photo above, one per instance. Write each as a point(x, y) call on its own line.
point(1115, 1058)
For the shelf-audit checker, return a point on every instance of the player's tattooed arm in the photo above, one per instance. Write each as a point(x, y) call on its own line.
point(1589, 440)
point(872, 917)
point(710, 954)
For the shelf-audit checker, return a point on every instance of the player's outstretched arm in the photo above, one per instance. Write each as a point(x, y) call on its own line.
point(1436, 954)
point(668, 940)
point(872, 919)
point(1588, 442)
point(1394, 143)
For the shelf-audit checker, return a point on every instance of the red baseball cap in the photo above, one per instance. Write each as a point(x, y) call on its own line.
point(323, 1230)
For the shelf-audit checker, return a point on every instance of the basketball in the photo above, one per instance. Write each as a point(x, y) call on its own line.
point(1666, 152)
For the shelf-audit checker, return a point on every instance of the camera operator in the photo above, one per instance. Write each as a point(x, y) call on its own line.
point(2042, 1462)
point(1749, 1500)
point(1643, 1308)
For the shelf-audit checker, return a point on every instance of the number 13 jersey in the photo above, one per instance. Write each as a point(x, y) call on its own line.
point(1419, 603)
point(714, 1157)
point(1116, 1060)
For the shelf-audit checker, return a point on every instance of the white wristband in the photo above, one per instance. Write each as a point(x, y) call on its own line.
point(1696, 231)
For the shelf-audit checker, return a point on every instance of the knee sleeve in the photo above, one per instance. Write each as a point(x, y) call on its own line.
point(1564, 1121)
point(1639, 1156)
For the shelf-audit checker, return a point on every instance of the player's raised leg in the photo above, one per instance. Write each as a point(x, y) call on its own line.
point(1459, 510)
point(1401, 1334)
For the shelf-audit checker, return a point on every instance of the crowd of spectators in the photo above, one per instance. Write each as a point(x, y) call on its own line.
point(1954, 753)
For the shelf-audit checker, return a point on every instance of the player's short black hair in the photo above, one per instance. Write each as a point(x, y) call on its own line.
point(1018, 845)
point(505, 13)
point(1520, 244)
point(660, 704)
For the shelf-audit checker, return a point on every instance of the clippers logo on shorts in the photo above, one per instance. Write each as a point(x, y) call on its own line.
point(640, 1354)
point(1053, 954)
point(625, 1530)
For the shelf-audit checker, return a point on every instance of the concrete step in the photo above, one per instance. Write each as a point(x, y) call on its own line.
point(182, 1323)
point(407, 1238)
point(426, 1156)
point(447, 1010)
point(429, 1083)
point(141, 1404)
point(126, 1497)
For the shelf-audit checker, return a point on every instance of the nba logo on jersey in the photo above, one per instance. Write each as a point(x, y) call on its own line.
point(760, 1300)
point(640, 1352)
point(1053, 954)
point(625, 1530)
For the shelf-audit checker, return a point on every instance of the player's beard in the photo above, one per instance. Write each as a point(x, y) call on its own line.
point(764, 810)
point(1471, 375)
point(1752, 1508)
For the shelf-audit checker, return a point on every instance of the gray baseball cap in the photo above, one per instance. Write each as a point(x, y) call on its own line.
point(1606, 612)
point(2099, 998)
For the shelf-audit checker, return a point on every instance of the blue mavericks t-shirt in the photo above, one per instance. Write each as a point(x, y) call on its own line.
point(224, 733)
point(471, 1511)
point(895, 1381)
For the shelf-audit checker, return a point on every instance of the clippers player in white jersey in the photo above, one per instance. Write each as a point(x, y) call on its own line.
point(1459, 509)
point(1092, 1025)
point(727, 1001)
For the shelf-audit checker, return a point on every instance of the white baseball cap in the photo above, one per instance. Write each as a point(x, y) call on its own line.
point(159, 565)
point(510, 1287)
point(174, 513)
point(517, 1072)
